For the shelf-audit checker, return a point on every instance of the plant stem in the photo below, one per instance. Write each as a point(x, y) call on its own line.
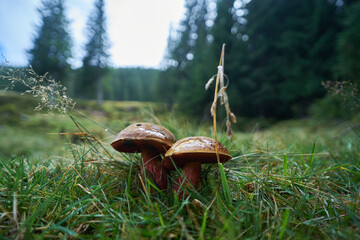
point(215, 101)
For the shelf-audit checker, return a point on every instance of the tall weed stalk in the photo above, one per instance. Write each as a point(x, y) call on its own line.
point(224, 100)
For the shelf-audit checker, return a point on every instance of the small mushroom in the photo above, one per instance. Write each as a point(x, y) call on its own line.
point(189, 153)
point(151, 140)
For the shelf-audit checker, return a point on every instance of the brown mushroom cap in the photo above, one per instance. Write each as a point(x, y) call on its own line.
point(194, 149)
point(138, 136)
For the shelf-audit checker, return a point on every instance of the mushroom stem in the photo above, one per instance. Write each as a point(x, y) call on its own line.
point(151, 160)
point(192, 174)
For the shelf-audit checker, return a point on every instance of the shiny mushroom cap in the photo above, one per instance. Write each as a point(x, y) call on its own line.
point(194, 149)
point(138, 136)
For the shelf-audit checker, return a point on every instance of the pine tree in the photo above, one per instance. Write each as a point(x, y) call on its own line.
point(192, 95)
point(229, 29)
point(52, 45)
point(180, 50)
point(289, 53)
point(177, 57)
point(225, 26)
point(348, 43)
point(96, 58)
point(184, 79)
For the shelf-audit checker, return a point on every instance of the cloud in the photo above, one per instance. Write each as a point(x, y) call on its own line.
point(139, 29)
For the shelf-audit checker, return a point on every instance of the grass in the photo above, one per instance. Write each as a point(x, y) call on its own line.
point(292, 180)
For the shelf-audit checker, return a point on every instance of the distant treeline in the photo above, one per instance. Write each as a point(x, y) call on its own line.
point(131, 84)
point(122, 84)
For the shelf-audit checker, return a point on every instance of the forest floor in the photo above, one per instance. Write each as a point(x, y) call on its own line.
point(60, 178)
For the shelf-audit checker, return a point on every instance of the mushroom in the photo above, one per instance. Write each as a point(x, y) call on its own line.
point(151, 140)
point(189, 153)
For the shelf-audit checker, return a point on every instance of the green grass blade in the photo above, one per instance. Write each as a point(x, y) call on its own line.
point(225, 184)
point(128, 182)
point(312, 156)
point(285, 165)
point(156, 205)
point(65, 230)
point(36, 215)
point(284, 223)
point(203, 224)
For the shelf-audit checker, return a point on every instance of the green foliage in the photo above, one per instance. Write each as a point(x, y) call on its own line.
point(132, 84)
point(348, 50)
point(331, 107)
point(342, 101)
point(52, 44)
point(126, 84)
point(191, 96)
point(286, 60)
point(277, 54)
point(188, 62)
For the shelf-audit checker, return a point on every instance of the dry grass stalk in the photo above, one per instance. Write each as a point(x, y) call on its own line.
point(222, 95)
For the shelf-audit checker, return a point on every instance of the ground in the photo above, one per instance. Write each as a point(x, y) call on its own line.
point(60, 178)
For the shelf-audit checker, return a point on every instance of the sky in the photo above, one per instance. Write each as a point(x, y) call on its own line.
point(137, 29)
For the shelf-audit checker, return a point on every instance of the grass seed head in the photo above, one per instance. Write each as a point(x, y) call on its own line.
point(52, 95)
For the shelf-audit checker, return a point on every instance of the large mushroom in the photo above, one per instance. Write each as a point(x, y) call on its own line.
point(152, 141)
point(188, 154)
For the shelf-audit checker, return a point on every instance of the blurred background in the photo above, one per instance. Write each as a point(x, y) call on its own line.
point(284, 59)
